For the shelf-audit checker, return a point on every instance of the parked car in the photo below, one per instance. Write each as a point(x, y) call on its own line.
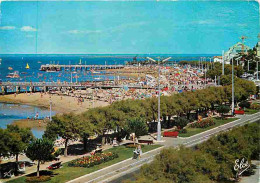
point(27, 163)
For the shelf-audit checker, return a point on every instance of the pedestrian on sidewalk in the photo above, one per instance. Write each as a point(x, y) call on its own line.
point(139, 150)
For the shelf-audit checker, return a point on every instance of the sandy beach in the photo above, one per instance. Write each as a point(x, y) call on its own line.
point(60, 104)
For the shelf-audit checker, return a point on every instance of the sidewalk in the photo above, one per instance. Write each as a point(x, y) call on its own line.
point(115, 170)
point(44, 166)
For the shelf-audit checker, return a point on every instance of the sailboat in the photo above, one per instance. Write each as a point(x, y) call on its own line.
point(80, 62)
point(27, 66)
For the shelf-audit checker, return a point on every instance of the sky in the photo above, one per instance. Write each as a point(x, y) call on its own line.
point(125, 27)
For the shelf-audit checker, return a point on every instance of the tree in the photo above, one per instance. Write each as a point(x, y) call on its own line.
point(40, 150)
point(223, 109)
point(5, 140)
point(181, 122)
point(19, 139)
point(244, 104)
point(137, 126)
point(66, 126)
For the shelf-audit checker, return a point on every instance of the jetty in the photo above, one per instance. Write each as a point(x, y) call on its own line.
point(57, 67)
point(17, 87)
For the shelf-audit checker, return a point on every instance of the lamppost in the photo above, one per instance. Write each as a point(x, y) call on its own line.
point(50, 110)
point(233, 92)
point(257, 70)
point(159, 94)
point(223, 63)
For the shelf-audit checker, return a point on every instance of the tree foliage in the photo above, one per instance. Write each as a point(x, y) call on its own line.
point(66, 126)
point(14, 140)
point(40, 150)
point(137, 126)
point(211, 161)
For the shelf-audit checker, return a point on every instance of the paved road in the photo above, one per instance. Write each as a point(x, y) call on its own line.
point(128, 166)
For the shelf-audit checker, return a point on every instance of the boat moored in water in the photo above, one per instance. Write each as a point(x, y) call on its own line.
point(13, 75)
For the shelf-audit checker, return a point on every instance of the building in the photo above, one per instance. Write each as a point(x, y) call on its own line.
point(235, 50)
point(217, 59)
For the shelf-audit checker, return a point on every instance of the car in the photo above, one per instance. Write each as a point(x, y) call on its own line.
point(27, 163)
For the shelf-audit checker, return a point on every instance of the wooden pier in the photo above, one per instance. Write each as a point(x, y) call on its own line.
point(56, 67)
point(17, 87)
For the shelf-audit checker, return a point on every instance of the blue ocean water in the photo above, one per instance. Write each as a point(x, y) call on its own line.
point(11, 112)
point(18, 63)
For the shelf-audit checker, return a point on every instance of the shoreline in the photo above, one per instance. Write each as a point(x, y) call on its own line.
point(31, 123)
point(60, 104)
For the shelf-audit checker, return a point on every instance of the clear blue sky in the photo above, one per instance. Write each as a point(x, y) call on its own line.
point(126, 27)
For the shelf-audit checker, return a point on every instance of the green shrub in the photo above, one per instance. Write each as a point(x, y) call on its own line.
point(183, 131)
point(203, 124)
point(223, 109)
point(244, 104)
point(255, 106)
point(42, 178)
point(181, 122)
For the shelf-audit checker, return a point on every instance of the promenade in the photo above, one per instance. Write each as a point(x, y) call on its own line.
point(128, 166)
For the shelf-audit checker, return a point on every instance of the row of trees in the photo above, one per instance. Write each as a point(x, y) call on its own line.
point(14, 140)
point(211, 161)
point(217, 70)
point(121, 115)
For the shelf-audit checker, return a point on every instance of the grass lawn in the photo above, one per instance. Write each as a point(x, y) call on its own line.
point(66, 173)
point(251, 111)
point(194, 131)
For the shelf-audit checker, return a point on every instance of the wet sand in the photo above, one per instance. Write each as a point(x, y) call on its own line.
point(31, 123)
point(64, 104)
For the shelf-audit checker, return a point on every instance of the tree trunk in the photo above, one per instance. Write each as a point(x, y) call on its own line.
point(168, 121)
point(188, 115)
point(38, 168)
point(103, 139)
point(85, 141)
point(66, 147)
point(16, 158)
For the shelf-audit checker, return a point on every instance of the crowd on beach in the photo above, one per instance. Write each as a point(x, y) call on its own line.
point(172, 80)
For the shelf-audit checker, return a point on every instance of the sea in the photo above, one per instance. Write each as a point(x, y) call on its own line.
point(17, 63)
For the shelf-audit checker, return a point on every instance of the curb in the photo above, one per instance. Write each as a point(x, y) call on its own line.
point(216, 127)
point(111, 166)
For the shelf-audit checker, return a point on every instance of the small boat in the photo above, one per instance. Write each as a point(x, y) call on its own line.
point(27, 66)
point(10, 68)
point(23, 72)
point(13, 75)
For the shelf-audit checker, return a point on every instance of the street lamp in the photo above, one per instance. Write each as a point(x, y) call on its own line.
point(223, 63)
point(159, 94)
point(50, 110)
point(233, 92)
